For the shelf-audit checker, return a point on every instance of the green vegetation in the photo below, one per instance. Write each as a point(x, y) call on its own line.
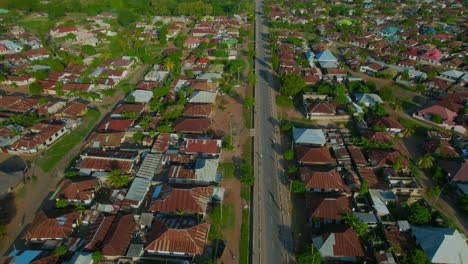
point(310, 255)
point(463, 203)
point(3, 230)
point(359, 227)
point(436, 118)
point(61, 250)
point(24, 120)
point(228, 169)
point(247, 177)
point(297, 187)
point(58, 151)
point(220, 219)
point(418, 214)
point(291, 84)
point(286, 126)
point(284, 101)
point(426, 161)
point(292, 169)
point(117, 179)
point(61, 203)
point(97, 256)
point(228, 143)
point(365, 143)
point(415, 256)
point(244, 238)
point(289, 154)
point(138, 136)
point(364, 189)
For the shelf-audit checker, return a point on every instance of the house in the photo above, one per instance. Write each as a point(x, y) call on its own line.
point(78, 190)
point(380, 199)
point(186, 242)
point(192, 43)
point(390, 31)
point(441, 245)
point(373, 181)
point(378, 137)
point(106, 161)
point(339, 243)
point(37, 54)
point(448, 116)
point(202, 97)
point(58, 32)
point(9, 47)
point(125, 110)
point(106, 140)
point(156, 76)
point(460, 178)
point(115, 125)
point(314, 156)
point(371, 68)
point(452, 75)
point(368, 99)
point(202, 147)
point(325, 209)
point(327, 180)
point(136, 193)
point(433, 56)
point(173, 201)
point(357, 156)
point(398, 239)
point(389, 123)
point(119, 235)
point(191, 125)
point(386, 158)
point(307, 136)
point(441, 148)
point(22, 80)
point(83, 87)
point(51, 225)
point(140, 96)
point(318, 108)
point(203, 172)
point(75, 109)
point(197, 110)
point(327, 60)
point(41, 136)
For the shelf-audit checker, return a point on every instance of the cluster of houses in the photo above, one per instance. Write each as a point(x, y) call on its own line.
point(144, 182)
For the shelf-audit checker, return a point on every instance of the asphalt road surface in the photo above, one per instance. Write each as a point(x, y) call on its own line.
point(271, 233)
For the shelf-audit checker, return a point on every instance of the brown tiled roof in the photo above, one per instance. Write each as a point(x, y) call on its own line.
point(325, 180)
point(381, 158)
point(76, 86)
point(75, 68)
point(198, 110)
point(191, 125)
point(377, 136)
point(74, 109)
point(441, 147)
point(372, 179)
point(162, 142)
point(462, 173)
point(172, 200)
point(321, 108)
point(346, 241)
point(111, 124)
point(202, 146)
point(103, 164)
point(42, 133)
point(396, 238)
point(310, 155)
point(119, 236)
point(181, 172)
point(357, 156)
point(98, 232)
point(190, 240)
point(44, 226)
point(327, 206)
point(78, 189)
point(387, 122)
point(147, 85)
point(106, 139)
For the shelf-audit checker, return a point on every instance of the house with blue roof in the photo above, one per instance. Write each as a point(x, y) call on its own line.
point(441, 245)
point(308, 136)
point(327, 60)
point(389, 31)
point(429, 30)
point(11, 47)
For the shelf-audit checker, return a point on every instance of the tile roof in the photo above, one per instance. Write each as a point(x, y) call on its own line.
point(190, 240)
point(116, 124)
point(382, 158)
point(372, 179)
point(98, 232)
point(76, 86)
point(74, 109)
point(442, 148)
point(126, 107)
point(172, 200)
point(386, 121)
point(397, 238)
point(51, 225)
point(198, 110)
point(462, 173)
point(191, 125)
point(321, 108)
point(448, 115)
point(310, 155)
point(103, 164)
point(327, 206)
point(343, 240)
point(324, 180)
point(118, 238)
point(181, 172)
point(104, 140)
point(82, 189)
point(377, 136)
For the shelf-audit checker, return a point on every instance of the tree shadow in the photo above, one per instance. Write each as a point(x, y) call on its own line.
point(7, 209)
point(285, 237)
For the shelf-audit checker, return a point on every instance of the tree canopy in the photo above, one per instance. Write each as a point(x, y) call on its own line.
point(418, 214)
point(291, 84)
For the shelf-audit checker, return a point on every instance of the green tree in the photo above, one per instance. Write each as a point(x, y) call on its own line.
point(97, 256)
point(408, 131)
point(297, 187)
point(386, 93)
point(292, 169)
point(418, 214)
point(291, 84)
point(88, 50)
point(289, 154)
point(138, 136)
point(359, 227)
point(433, 191)
point(426, 161)
point(310, 255)
point(117, 179)
point(169, 65)
point(125, 17)
point(247, 175)
point(227, 143)
point(415, 256)
point(60, 250)
point(397, 164)
point(436, 118)
point(61, 203)
point(3, 230)
point(364, 189)
point(249, 102)
point(35, 88)
point(379, 110)
point(162, 37)
point(463, 202)
point(397, 105)
point(40, 74)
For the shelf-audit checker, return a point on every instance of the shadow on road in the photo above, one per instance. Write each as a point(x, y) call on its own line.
point(7, 209)
point(283, 231)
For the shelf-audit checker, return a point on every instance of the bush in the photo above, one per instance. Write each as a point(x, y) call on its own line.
point(289, 154)
point(419, 215)
point(284, 101)
point(35, 88)
point(286, 126)
point(436, 118)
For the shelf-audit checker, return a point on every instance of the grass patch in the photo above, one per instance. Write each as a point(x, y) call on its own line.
point(220, 220)
point(229, 169)
point(244, 238)
point(245, 193)
point(298, 122)
point(419, 128)
point(55, 154)
point(39, 26)
point(248, 118)
point(284, 101)
point(248, 150)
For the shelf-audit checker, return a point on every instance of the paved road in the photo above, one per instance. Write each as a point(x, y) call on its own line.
point(271, 233)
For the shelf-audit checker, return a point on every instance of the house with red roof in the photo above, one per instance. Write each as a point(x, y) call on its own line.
point(339, 243)
point(58, 32)
point(319, 108)
point(192, 43)
point(51, 226)
point(197, 110)
point(324, 209)
point(41, 136)
point(115, 125)
point(389, 123)
point(433, 56)
point(191, 125)
point(202, 147)
point(119, 235)
point(448, 116)
point(78, 190)
point(173, 201)
point(323, 181)
point(37, 54)
point(107, 160)
point(314, 156)
point(185, 242)
point(386, 158)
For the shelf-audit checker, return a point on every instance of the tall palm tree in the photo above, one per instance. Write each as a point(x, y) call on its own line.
point(426, 161)
point(396, 105)
point(169, 64)
point(408, 131)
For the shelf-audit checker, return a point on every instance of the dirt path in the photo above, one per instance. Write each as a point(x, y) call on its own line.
point(34, 195)
point(232, 234)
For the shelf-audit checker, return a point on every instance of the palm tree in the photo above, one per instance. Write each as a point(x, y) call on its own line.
point(117, 179)
point(408, 131)
point(426, 161)
point(396, 105)
point(169, 64)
